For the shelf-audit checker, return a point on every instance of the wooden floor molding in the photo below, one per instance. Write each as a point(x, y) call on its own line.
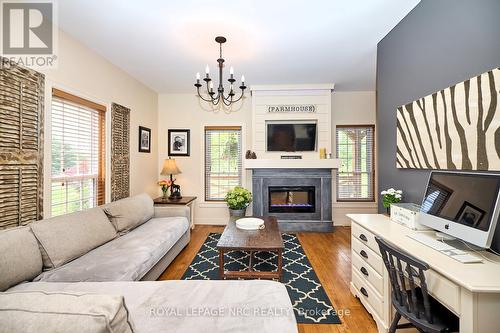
point(329, 254)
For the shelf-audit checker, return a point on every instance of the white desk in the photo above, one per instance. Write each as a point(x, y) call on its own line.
point(471, 291)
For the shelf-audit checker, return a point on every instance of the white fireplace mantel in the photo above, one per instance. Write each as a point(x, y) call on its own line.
point(292, 163)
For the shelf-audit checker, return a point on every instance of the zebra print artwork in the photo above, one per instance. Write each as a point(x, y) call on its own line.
point(457, 128)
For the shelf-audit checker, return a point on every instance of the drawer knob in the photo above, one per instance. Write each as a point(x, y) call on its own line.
point(364, 292)
point(364, 271)
point(363, 238)
point(364, 254)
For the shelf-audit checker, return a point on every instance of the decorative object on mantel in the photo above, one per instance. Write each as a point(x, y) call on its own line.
point(216, 98)
point(322, 153)
point(455, 128)
point(170, 168)
point(238, 200)
point(144, 140)
point(250, 155)
point(179, 142)
point(390, 196)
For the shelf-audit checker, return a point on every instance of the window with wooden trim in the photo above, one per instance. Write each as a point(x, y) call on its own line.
point(78, 153)
point(356, 176)
point(223, 165)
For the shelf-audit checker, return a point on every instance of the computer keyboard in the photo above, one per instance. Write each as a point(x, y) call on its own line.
point(450, 251)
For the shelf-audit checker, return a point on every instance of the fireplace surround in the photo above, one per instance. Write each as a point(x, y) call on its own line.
point(301, 199)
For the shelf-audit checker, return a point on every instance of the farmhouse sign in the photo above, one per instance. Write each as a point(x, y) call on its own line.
point(291, 108)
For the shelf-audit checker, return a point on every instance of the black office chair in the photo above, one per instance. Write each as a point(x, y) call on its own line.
point(409, 294)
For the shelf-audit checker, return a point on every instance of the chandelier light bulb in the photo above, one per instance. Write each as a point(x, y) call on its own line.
point(243, 79)
point(231, 70)
point(211, 85)
point(207, 69)
point(198, 76)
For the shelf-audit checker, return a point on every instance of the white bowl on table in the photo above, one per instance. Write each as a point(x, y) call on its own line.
point(250, 223)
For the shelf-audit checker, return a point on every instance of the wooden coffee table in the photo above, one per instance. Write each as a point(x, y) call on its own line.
point(267, 239)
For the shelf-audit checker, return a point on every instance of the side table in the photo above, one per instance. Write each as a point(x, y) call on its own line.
point(184, 201)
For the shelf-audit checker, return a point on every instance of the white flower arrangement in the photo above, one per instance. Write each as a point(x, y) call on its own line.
point(391, 196)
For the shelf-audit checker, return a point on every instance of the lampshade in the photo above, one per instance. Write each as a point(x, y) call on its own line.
point(170, 168)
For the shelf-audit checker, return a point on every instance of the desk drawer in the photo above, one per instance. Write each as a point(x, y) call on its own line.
point(367, 294)
point(368, 255)
point(365, 237)
point(367, 273)
point(444, 290)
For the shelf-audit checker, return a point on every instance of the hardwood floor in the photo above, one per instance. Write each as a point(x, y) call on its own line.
point(329, 254)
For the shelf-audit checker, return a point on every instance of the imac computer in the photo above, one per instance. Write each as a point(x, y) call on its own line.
point(462, 205)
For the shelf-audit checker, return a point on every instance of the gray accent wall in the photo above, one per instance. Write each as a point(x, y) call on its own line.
point(438, 44)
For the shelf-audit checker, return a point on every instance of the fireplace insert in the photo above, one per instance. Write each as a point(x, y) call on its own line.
point(292, 199)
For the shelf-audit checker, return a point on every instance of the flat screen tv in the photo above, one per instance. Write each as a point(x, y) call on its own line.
point(291, 137)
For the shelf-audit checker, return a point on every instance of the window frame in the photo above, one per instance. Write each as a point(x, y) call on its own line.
point(373, 199)
point(205, 127)
point(100, 178)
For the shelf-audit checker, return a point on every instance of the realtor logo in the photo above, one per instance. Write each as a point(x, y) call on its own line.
point(28, 30)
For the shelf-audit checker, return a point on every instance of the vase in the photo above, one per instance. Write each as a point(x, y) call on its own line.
point(237, 212)
point(165, 193)
point(388, 209)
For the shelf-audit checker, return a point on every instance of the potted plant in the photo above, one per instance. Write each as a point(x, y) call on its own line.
point(238, 200)
point(390, 196)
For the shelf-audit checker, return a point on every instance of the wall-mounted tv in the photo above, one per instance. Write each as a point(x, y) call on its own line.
point(291, 137)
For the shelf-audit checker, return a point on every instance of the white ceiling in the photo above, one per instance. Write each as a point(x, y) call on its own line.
point(164, 43)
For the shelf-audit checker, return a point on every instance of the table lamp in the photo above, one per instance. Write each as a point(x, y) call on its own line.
point(170, 168)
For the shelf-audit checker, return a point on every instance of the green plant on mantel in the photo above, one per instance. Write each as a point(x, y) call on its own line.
point(238, 198)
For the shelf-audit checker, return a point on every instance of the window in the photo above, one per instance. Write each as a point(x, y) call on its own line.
point(355, 177)
point(222, 161)
point(78, 153)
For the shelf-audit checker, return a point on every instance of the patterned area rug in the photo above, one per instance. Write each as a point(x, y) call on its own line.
point(309, 299)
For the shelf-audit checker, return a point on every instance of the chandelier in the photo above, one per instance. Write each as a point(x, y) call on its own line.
point(216, 97)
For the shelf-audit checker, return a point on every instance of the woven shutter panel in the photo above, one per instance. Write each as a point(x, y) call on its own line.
point(21, 145)
point(120, 152)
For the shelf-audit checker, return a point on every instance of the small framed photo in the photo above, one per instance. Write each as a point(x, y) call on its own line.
point(144, 140)
point(470, 214)
point(178, 142)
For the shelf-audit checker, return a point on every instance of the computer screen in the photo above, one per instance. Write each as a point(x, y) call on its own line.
point(467, 199)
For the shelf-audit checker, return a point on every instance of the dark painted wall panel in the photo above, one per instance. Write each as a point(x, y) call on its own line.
point(438, 44)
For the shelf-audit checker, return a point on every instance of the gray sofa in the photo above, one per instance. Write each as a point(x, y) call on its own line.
point(82, 270)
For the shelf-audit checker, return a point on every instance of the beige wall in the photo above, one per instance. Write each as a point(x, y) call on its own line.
point(352, 108)
point(83, 72)
point(185, 111)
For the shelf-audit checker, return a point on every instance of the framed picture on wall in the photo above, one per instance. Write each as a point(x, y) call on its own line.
point(470, 214)
point(144, 140)
point(178, 142)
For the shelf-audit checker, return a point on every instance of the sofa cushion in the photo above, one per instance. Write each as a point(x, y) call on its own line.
point(20, 257)
point(194, 306)
point(64, 238)
point(127, 214)
point(126, 258)
point(40, 311)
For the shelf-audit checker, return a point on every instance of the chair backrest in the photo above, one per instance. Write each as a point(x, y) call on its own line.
point(404, 271)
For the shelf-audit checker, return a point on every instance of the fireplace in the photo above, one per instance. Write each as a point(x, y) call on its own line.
point(287, 199)
point(301, 198)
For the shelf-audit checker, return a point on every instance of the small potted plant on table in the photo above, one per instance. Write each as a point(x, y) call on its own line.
point(238, 200)
point(389, 197)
